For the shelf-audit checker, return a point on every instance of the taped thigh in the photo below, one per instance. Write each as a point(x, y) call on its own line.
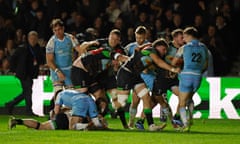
point(122, 99)
point(142, 92)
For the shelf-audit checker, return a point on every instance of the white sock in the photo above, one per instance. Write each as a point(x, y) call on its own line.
point(183, 115)
point(132, 114)
point(167, 111)
point(80, 126)
point(96, 122)
point(190, 105)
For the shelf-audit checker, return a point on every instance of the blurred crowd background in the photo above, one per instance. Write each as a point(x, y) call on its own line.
point(216, 20)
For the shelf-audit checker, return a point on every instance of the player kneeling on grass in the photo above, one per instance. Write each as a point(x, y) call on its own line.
point(81, 104)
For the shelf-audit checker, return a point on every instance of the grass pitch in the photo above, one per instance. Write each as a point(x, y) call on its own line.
point(202, 132)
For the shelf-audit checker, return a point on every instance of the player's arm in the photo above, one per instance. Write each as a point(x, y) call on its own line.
point(143, 46)
point(160, 63)
point(120, 57)
point(50, 61)
point(75, 42)
point(51, 64)
point(177, 60)
point(50, 54)
point(57, 109)
point(84, 47)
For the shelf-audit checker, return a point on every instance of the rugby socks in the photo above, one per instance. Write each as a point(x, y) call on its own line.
point(80, 126)
point(148, 114)
point(183, 115)
point(132, 114)
point(167, 113)
point(38, 125)
point(122, 117)
point(96, 122)
point(176, 116)
point(19, 121)
point(190, 106)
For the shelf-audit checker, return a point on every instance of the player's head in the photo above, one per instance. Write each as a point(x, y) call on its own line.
point(177, 36)
point(57, 26)
point(161, 46)
point(140, 34)
point(190, 33)
point(102, 106)
point(114, 38)
point(62, 122)
point(90, 34)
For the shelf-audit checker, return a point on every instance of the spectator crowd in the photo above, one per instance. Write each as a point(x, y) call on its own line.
point(216, 20)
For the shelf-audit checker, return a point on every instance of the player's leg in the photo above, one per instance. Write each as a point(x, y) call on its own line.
point(176, 121)
point(133, 109)
point(165, 108)
point(80, 79)
point(125, 80)
point(183, 97)
point(100, 95)
point(161, 85)
point(58, 85)
point(93, 113)
point(190, 103)
point(185, 92)
point(148, 79)
point(30, 123)
point(143, 93)
point(79, 109)
point(190, 108)
point(73, 120)
point(122, 96)
point(140, 122)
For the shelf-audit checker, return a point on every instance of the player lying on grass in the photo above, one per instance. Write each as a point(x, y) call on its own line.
point(81, 105)
point(60, 122)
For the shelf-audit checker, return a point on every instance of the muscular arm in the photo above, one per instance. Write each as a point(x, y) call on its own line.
point(85, 45)
point(57, 109)
point(51, 64)
point(122, 58)
point(175, 61)
point(160, 63)
point(50, 61)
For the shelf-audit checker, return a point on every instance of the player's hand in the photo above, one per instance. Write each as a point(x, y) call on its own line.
point(175, 70)
point(171, 75)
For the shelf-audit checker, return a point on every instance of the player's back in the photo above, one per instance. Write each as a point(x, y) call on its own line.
point(66, 97)
point(194, 57)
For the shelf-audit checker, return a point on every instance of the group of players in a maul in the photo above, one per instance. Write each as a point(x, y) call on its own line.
point(104, 72)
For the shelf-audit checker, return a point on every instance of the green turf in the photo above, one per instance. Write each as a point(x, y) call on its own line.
point(202, 132)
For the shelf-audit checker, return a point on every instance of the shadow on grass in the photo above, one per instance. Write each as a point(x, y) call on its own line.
point(171, 132)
